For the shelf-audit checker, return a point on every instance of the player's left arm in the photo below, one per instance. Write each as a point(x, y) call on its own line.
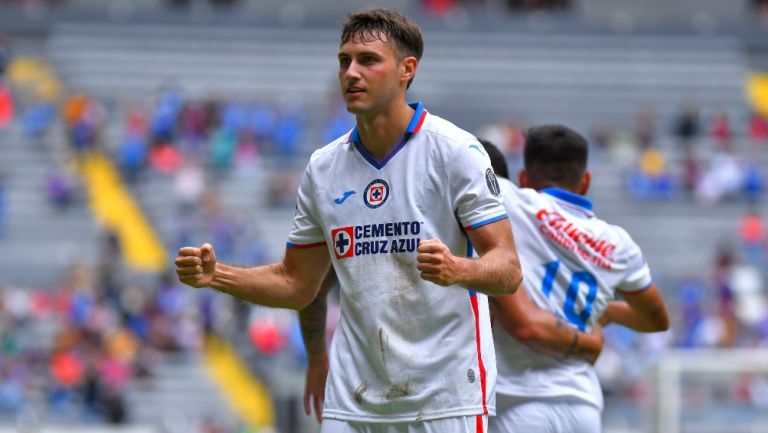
point(642, 308)
point(544, 332)
point(642, 311)
point(496, 272)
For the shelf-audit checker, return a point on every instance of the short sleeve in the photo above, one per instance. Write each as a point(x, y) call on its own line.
point(637, 275)
point(306, 230)
point(476, 194)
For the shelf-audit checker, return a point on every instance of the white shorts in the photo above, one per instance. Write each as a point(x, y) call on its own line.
point(459, 424)
point(523, 415)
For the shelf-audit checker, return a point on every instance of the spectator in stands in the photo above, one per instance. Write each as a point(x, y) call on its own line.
point(288, 131)
point(3, 204)
point(645, 129)
point(132, 157)
point(189, 185)
point(59, 189)
point(164, 158)
point(37, 119)
point(757, 131)
point(652, 179)
point(5, 56)
point(194, 124)
point(223, 145)
point(691, 172)
point(687, 125)
point(164, 118)
point(754, 180)
point(752, 235)
point(262, 124)
point(6, 105)
point(725, 261)
point(723, 179)
point(720, 130)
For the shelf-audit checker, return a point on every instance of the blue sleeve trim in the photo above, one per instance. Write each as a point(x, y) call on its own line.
point(302, 246)
point(485, 222)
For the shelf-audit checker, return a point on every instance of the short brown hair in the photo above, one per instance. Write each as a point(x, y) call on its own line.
point(555, 154)
point(399, 30)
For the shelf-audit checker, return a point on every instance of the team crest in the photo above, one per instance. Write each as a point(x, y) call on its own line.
point(343, 242)
point(492, 182)
point(376, 193)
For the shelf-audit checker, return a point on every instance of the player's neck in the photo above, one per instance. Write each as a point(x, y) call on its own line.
point(381, 132)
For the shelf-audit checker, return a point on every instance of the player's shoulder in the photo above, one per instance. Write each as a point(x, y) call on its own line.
point(527, 196)
point(622, 234)
point(448, 134)
point(624, 243)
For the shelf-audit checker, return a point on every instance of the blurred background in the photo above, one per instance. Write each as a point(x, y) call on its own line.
point(128, 129)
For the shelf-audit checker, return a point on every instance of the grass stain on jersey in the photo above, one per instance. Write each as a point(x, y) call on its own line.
point(360, 392)
point(399, 390)
point(383, 344)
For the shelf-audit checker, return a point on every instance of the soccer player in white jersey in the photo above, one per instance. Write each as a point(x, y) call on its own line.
point(395, 207)
point(574, 265)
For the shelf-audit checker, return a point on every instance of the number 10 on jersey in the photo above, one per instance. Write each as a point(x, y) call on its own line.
point(578, 279)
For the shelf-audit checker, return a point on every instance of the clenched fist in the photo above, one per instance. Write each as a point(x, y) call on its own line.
point(196, 266)
point(437, 264)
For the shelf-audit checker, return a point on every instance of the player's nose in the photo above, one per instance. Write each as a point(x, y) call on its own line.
point(352, 71)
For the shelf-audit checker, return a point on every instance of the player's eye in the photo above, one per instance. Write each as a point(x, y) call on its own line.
point(344, 62)
point(367, 60)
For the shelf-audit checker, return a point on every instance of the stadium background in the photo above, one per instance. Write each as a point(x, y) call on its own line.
point(128, 129)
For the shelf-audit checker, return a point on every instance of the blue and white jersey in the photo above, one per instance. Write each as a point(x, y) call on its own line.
point(573, 262)
point(405, 349)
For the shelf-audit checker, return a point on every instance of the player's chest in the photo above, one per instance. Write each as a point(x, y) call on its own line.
point(405, 189)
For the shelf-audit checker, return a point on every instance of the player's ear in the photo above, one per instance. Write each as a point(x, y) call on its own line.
point(586, 180)
point(408, 68)
point(522, 178)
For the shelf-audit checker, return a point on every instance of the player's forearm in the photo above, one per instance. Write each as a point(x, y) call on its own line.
point(312, 321)
point(495, 273)
point(551, 335)
point(622, 313)
point(269, 285)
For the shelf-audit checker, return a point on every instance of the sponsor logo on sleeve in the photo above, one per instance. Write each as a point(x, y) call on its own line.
point(492, 182)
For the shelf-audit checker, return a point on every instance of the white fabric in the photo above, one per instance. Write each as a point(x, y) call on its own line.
point(404, 348)
point(461, 424)
point(563, 247)
point(544, 416)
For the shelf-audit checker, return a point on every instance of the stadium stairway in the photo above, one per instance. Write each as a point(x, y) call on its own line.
point(40, 241)
point(172, 399)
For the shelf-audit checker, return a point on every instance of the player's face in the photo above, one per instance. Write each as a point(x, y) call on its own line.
point(370, 75)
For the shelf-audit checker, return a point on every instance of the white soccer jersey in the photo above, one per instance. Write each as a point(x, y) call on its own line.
point(573, 262)
point(405, 349)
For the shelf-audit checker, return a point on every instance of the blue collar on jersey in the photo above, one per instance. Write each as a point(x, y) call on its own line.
point(418, 118)
point(570, 197)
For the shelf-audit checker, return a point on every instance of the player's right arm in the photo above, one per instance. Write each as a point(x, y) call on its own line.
point(292, 283)
point(542, 331)
point(642, 311)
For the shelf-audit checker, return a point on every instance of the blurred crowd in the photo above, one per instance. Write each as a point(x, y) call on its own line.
point(71, 353)
point(701, 158)
point(75, 348)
